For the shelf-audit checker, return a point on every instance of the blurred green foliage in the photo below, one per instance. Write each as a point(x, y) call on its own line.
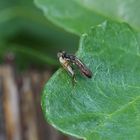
point(77, 16)
point(30, 36)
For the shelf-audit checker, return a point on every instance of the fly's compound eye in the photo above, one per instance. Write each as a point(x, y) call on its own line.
point(61, 54)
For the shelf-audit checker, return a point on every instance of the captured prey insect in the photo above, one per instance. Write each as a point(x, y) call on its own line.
point(67, 60)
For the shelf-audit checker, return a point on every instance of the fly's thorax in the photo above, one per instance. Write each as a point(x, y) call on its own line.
point(66, 65)
point(63, 61)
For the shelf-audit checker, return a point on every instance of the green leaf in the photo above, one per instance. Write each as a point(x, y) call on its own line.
point(121, 10)
point(78, 15)
point(69, 15)
point(106, 107)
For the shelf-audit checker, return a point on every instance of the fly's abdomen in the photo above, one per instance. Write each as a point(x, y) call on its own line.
point(83, 69)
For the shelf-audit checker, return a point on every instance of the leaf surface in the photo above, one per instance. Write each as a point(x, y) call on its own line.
point(69, 15)
point(106, 107)
point(121, 10)
point(79, 15)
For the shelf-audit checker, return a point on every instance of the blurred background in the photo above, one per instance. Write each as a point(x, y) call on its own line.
point(28, 47)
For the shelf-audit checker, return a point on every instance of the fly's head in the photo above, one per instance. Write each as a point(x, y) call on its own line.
point(61, 54)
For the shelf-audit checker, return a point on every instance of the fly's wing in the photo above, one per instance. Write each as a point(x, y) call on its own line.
point(83, 69)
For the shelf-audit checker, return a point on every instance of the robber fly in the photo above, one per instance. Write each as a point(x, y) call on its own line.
point(67, 60)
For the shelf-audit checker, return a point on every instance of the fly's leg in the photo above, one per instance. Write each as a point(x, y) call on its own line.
point(73, 80)
point(71, 72)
